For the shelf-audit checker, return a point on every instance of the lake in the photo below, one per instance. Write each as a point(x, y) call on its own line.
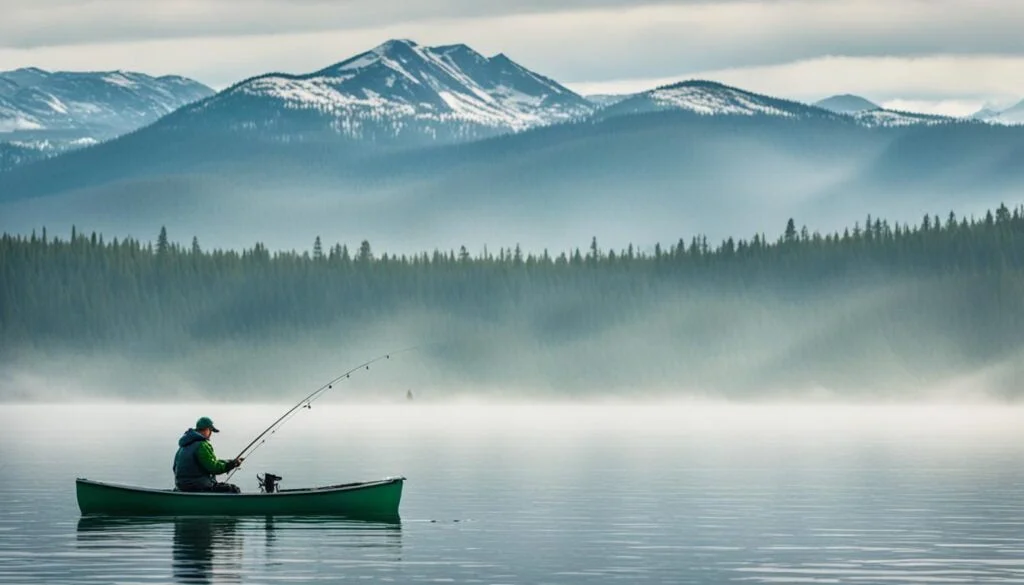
point(682, 492)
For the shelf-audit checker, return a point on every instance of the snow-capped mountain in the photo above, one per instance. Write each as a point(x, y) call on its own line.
point(871, 114)
point(985, 113)
point(44, 113)
point(847, 104)
point(100, 105)
point(710, 98)
point(399, 89)
point(1011, 116)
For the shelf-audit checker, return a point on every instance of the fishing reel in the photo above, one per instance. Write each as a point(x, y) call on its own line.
point(268, 482)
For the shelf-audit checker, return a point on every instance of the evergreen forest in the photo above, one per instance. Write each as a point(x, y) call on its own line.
point(877, 304)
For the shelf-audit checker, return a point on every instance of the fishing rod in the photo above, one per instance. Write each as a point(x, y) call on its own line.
point(306, 403)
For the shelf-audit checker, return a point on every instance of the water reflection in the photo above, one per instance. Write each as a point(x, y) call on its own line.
point(227, 549)
point(205, 548)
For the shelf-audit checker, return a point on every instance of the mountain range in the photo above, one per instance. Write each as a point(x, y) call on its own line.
point(413, 147)
point(43, 113)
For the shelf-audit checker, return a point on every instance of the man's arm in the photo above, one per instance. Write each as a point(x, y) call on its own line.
point(210, 462)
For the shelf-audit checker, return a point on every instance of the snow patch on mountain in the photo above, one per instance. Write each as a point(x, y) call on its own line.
point(14, 123)
point(56, 105)
point(120, 80)
point(47, 145)
point(298, 92)
point(890, 118)
point(714, 101)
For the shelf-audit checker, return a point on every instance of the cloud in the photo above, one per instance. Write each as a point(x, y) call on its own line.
point(582, 39)
point(35, 23)
point(943, 107)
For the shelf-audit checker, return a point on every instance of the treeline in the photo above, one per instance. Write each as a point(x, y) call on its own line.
point(85, 291)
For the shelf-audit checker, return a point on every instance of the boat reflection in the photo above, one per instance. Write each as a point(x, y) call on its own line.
point(234, 550)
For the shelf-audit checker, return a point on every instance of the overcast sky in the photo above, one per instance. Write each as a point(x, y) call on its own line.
point(949, 56)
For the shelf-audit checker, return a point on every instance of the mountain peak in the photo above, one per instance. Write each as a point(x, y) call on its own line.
point(1012, 115)
point(392, 45)
point(400, 85)
point(847, 104)
point(707, 97)
point(699, 83)
point(462, 55)
point(711, 98)
point(28, 70)
point(391, 54)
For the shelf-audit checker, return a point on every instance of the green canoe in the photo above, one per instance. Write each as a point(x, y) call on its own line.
point(367, 500)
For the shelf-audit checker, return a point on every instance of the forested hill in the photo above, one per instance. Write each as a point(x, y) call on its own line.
point(876, 306)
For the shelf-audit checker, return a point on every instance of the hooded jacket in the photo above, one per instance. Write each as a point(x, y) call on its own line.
point(195, 464)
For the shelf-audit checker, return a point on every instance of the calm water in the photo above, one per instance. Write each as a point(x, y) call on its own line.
point(530, 494)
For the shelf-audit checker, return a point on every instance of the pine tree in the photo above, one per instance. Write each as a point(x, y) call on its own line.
point(161, 242)
point(1002, 214)
point(790, 234)
point(318, 250)
point(365, 252)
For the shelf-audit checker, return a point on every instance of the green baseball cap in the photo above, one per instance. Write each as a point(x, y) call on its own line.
point(206, 423)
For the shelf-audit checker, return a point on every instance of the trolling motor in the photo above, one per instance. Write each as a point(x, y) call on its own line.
point(268, 482)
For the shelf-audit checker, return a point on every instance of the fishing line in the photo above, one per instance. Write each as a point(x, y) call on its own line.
point(307, 403)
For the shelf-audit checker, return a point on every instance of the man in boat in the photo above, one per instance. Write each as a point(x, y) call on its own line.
point(195, 465)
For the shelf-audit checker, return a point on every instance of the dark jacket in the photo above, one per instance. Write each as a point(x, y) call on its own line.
point(195, 464)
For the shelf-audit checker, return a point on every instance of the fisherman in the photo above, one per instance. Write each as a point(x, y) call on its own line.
point(195, 465)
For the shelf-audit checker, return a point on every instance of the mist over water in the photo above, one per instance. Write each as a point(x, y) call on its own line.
point(867, 346)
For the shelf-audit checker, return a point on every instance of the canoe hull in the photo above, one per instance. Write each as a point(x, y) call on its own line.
point(369, 500)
